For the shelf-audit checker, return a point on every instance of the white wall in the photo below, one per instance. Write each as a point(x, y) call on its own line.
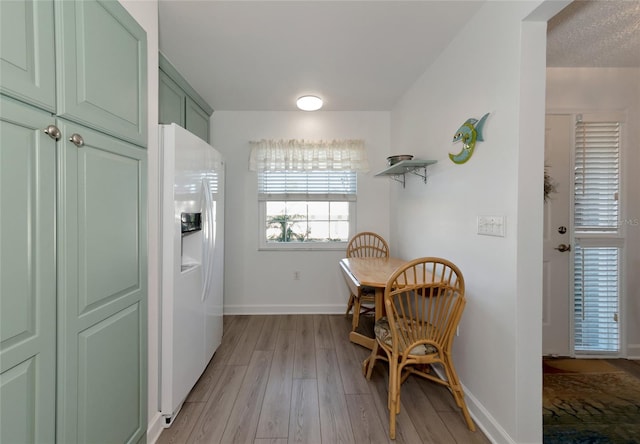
point(262, 281)
point(495, 64)
point(583, 90)
point(146, 14)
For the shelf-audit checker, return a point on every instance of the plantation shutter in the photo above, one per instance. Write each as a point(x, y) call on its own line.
point(596, 183)
point(596, 217)
point(596, 286)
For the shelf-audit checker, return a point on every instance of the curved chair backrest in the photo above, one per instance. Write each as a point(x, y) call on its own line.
point(424, 300)
point(367, 244)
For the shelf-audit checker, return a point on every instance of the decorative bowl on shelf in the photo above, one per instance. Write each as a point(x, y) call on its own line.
point(391, 160)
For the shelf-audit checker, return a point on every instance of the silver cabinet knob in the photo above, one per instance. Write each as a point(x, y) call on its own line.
point(76, 139)
point(53, 132)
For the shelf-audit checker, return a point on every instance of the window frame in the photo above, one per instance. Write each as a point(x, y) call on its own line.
point(265, 245)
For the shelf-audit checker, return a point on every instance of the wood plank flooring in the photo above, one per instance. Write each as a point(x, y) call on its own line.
point(297, 379)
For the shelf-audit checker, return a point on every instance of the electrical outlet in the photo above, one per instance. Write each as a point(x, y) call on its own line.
point(491, 225)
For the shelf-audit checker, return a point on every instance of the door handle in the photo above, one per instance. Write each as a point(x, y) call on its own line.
point(563, 247)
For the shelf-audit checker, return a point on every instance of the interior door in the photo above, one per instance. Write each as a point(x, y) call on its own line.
point(27, 275)
point(102, 288)
point(556, 337)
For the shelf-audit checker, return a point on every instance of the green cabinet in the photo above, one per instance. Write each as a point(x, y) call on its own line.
point(197, 120)
point(73, 269)
point(102, 280)
point(79, 74)
point(27, 275)
point(27, 52)
point(179, 103)
point(102, 80)
point(171, 101)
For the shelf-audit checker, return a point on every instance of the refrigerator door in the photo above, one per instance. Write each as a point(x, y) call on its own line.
point(213, 300)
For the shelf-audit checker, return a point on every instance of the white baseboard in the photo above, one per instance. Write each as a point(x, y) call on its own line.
point(485, 422)
point(483, 419)
point(633, 351)
point(284, 309)
point(154, 428)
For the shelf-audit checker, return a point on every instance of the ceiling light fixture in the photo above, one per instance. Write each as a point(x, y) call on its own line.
point(309, 103)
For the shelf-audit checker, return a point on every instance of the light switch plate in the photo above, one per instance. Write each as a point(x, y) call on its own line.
point(491, 225)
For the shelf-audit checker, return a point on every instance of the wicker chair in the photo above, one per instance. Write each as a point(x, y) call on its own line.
point(364, 244)
point(424, 300)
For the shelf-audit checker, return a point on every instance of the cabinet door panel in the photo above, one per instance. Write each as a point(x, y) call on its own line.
point(102, 68)
point(27, 64)
point(197, 120)
point(110, 389)
point(27, 275)
point(171, 100)
point(102, 288)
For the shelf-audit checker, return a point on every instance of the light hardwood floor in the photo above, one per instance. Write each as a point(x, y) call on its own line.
point(297, 379)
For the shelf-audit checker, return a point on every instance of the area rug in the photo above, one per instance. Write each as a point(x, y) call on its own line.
point(589, 403)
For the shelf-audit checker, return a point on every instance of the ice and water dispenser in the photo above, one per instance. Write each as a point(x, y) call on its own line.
point(191, 248)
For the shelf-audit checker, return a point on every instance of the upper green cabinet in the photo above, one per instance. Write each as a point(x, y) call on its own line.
point(197, 120)
point(179, 103)
point(171, 100)
point(77, 72)
point(102, 82)
point(27, 52)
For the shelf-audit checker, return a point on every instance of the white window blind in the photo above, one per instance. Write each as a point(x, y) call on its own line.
point(307, 185)
point(596, 301)
point(596, 181)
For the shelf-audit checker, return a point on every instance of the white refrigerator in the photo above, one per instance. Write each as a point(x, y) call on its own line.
point(192, 226)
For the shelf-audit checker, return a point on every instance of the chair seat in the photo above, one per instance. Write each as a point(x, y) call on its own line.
point(382, 330)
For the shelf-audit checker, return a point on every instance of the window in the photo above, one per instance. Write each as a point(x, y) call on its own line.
point(596, 256)
point(307, 192)
point(307, 207)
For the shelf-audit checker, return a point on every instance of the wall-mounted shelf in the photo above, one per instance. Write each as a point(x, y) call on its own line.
point(398, 170)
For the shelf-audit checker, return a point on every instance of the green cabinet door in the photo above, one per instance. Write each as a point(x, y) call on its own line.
point(102, 288)
point(27, 64)
point(27, 275)
point(197, 121)
point(102, 68)
point(179, 103)
point(171, 101)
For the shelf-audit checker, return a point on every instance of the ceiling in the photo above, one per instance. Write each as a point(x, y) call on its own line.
point(595, 34)
point(358, 55)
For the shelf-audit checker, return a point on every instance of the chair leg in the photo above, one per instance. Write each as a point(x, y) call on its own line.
point(393, 398)
point(458, 393)
point(349, 304)
point(356, 313)
point(371, 360)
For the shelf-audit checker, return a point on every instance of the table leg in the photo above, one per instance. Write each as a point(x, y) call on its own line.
point(379, 297)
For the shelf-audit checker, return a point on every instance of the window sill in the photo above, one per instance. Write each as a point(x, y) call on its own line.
point(304, 246)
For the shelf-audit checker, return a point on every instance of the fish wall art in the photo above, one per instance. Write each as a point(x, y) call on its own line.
point(469, 133)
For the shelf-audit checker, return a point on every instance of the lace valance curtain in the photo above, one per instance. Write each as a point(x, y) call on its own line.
point(304, 155)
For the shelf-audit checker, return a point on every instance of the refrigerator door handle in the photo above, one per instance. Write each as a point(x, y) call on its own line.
point(208, 239)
